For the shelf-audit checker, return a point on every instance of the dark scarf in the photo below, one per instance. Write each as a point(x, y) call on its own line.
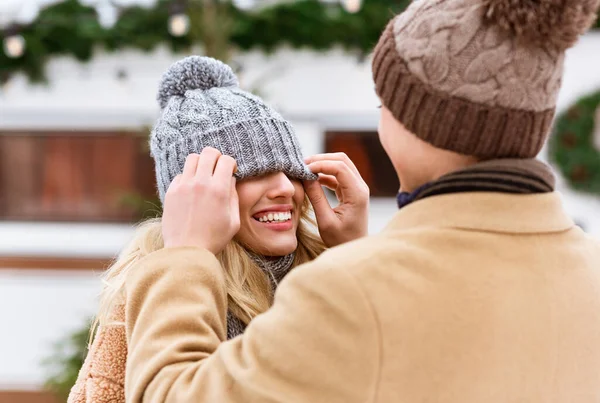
point(275, 269)
point(516, 176)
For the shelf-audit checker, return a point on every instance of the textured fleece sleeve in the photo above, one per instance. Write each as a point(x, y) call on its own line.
point(102, 376)
point(318, 343)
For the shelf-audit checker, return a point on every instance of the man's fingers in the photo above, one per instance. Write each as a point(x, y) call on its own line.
point(234, 204)
point(176, 180)
point(191, 165)
point(226, 167)
point(328, 181)
point(207, 162)
point(323, 212)
point(342, 172)
point(222, 178)
point(342, 157)
point(174, 184)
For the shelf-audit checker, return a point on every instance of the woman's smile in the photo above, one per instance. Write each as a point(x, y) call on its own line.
point(270, 212)
point(276, 218)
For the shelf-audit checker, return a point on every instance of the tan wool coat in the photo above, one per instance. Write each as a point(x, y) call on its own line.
point(464, 298)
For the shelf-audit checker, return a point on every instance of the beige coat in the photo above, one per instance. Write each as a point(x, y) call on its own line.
point(463, 298)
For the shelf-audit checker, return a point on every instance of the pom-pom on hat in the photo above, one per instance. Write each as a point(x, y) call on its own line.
point(556, 24)
point(479, 77)
point(203, 106)
point(194, 73)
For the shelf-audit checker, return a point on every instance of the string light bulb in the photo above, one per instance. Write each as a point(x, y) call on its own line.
point(179, 21)
point(14, 46)
point(179, 24)
point(351, 6)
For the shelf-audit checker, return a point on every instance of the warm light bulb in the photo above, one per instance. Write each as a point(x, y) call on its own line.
point(179, 24)
point(14, 46)
point(351, 6)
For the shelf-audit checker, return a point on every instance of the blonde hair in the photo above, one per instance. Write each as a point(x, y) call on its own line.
point(248, 288)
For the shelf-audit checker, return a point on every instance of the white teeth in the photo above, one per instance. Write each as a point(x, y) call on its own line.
point(284, 216)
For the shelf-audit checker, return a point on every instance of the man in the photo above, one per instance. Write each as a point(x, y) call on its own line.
point(481, 288)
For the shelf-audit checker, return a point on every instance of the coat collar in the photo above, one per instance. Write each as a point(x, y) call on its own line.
point(486, 211)
point(509, 175)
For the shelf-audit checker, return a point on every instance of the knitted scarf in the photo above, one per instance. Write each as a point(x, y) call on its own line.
point(275, 269)
point(516, 176)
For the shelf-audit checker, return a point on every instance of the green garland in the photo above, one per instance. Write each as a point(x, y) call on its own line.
point(571, 146)
point(70, 28)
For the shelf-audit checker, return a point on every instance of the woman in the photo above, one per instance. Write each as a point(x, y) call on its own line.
point(204, 111)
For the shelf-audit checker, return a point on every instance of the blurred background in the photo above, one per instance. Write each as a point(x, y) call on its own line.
point(78, 80)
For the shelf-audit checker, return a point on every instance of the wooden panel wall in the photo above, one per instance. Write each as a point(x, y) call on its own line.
point(365, 150)
point(73, 176)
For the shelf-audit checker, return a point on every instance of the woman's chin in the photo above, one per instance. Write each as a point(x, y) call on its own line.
point(269, 239)
point(277, 247)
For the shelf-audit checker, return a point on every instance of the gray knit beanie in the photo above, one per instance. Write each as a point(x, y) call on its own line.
point(203, 106)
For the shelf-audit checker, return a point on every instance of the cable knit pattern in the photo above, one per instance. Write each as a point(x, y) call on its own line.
point(465, 58)
point(469, 83)
point(227, 118)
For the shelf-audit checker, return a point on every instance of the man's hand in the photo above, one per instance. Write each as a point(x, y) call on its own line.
point(201, 206)
point(349, 220)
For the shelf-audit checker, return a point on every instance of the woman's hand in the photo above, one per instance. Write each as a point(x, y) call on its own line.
point(201, 207)
point(350, 219)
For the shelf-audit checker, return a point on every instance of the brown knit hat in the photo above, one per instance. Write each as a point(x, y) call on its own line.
point(478, 77)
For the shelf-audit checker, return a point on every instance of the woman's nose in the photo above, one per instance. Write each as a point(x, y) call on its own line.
point(280, 186)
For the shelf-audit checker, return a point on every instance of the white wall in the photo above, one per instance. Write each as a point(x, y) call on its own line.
point(62, 239)
point(36, 309)
point(317, 92)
